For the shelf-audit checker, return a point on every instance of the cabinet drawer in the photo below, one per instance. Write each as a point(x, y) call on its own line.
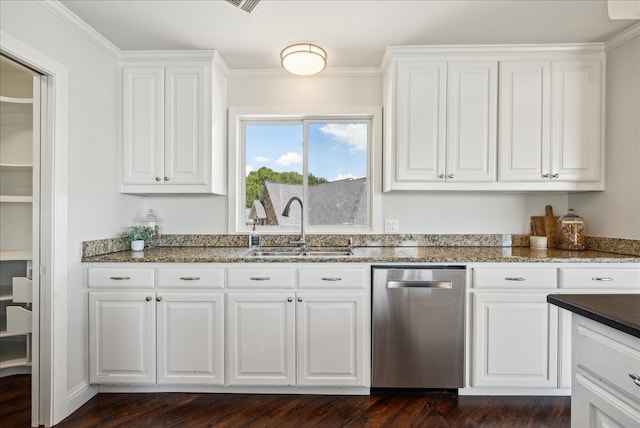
point(121, 277)
point(190, 278)
point(333, 278)
point(514, 277)
point(261, 278)
point(22, 289)
point(600, 278)
point(608, 358)
point(18, 319)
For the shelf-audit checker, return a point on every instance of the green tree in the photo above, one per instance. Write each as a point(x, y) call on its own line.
point(256, 179)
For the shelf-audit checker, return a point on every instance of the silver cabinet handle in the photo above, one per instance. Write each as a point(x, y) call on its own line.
point(166, 179)
point(514, 278)
point(289, 299)
point(635, 378)
point(331, 278)
point(547, 175)
point(158, 299)
point(601, 278)
point(120, 278)
point(441, 176)
point(450, 176)
point(148, 298)
point(189, 278)
point(555, 175)
point(158, 178)
point(299, 299)
point(260, 278)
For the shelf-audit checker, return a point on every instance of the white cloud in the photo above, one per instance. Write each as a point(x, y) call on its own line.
point(343, 176)
point(290, 158)
point(248, 169)
point(261, 159)
point(354, 134)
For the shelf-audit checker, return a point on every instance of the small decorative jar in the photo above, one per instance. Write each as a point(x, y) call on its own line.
point(571, 232)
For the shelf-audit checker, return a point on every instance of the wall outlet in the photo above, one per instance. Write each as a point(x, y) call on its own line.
point(391, 226)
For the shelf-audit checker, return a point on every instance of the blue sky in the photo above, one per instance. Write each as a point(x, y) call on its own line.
point(336, 151)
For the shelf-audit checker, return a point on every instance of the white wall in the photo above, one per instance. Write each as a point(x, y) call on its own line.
point(615, 213)
point(95, 206)
point(417, 212)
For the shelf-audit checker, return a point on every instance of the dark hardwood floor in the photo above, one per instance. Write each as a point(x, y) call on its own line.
point(433, 409)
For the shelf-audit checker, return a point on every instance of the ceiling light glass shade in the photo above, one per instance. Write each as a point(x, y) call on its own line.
point(303, 59)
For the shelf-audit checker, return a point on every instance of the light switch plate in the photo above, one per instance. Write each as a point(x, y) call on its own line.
point(391, 226)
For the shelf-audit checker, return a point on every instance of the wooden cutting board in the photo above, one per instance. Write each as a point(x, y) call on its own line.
point(551, 227)
point(538, 226)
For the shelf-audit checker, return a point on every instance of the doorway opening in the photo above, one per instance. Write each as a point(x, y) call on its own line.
point(20, 115)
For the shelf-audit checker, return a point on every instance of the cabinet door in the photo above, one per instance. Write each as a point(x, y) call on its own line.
point(593, 405)
point(472, 98)
point(420, 120)
point(330, 331)
point(260, 339)
point(514, 340)
point(187, 115)
point(576, 120)
point(524, 108)
point(143, 125)
point(122, 337)
point(190, 338)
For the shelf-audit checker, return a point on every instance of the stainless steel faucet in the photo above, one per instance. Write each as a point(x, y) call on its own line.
point(302, 243)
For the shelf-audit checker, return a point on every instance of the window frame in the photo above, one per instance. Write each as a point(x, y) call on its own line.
point(239, 117)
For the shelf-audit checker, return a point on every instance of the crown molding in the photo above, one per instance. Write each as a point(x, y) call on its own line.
point(417, 51)
point(82, 27)
point(278, 73)
point(622, 37)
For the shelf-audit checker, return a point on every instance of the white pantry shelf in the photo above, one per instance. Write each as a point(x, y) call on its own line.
point(16, 100)
point(16, 255)
point(16, 199)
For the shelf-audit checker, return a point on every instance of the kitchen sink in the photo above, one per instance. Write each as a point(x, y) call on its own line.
point(314, 252)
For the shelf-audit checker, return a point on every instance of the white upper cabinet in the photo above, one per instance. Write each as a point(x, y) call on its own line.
point(525, 136)
point(491, 118)
point(420, 121)
point(443, 125)
point(173, 123)
point(576, 126)
point(472, 100)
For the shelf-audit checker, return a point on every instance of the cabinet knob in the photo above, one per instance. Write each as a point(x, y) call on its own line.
point(158, 299)
point(289, 299)
point(166, 179)
point(450, 176)
point(635, 378)
point(148, 298)
point(158, 178)
point(299, 299)
point(545, 175)
point(441, 176)
point(555, 175)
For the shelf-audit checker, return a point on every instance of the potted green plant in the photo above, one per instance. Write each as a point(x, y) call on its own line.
point(139, 236)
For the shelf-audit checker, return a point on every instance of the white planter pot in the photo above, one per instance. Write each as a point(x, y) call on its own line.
point(137, 245)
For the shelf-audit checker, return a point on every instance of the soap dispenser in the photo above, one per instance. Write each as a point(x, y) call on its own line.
point(254, 237)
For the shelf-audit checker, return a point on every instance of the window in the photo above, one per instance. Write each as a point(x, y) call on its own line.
point(325, 161)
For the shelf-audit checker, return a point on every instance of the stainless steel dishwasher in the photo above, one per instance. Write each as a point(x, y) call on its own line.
point(418, 327)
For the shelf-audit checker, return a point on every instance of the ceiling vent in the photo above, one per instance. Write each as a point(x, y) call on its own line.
point(246, 5)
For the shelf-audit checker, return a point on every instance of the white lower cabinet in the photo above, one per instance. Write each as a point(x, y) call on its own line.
point(515, 340)
point(306, 339)
point(260, 339)
point(605, 363)
point(133, 333)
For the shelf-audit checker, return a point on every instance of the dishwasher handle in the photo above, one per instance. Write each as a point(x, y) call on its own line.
point(419, 284)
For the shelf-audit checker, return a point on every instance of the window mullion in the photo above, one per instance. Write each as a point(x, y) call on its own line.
point(305, 170)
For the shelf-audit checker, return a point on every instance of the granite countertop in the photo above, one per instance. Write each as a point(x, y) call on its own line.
point(399, 254)
point(619, 311)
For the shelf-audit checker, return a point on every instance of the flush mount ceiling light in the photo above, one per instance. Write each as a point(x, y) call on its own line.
point(303, 59)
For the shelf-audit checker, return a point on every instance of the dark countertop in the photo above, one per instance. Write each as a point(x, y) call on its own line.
point(366, 255)
point(619, 311)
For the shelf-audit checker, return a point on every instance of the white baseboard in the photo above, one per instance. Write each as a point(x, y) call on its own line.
point(80, 396)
